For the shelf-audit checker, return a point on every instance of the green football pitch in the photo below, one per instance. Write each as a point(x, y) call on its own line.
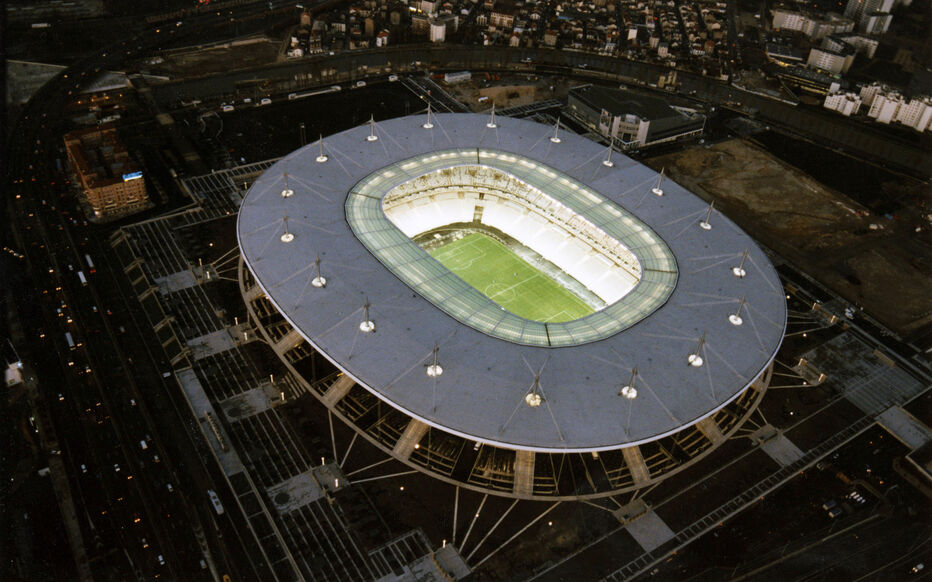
point(509, 280)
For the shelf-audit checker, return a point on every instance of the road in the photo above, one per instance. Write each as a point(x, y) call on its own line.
point(119, 473)
point(139, 517)
point(864, 140)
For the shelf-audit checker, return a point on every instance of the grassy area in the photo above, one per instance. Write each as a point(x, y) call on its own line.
point(509, 281)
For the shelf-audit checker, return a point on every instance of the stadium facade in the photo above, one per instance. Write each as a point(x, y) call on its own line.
point(675, 352)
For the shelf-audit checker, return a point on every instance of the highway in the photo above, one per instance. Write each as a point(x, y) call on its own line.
point(139, 498)
point(119, 472)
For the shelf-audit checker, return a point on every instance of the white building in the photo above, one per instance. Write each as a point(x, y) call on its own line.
point(875, 22)
point(885, 107)
point(788, 19)
point(859, 43)
point(427, 6)
point(830, 24)
point(811, 25)
point(441, 25)
point(872, 16)
point(863, 44)
point(868, 92)
point(845, 103)
point(917, 114)
point(831, 61)
point(635, 120)
point(438, 31)
point(855, 9)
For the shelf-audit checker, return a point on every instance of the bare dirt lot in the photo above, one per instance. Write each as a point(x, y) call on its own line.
point(198, 62)
point(881, 264)
point(509, 90)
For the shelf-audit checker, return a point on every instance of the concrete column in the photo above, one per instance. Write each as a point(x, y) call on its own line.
point(410, 437)
point(710, 430)
point(149, 291)
point(337, 391)
point(136, 263)
point(291, 339)
point(524, 472)
point(253, 293)
point(636, 464)
point(763, 381)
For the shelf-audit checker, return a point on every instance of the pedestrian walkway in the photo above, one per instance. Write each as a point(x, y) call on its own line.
point(292, 493)
point(220, 193)
point(212, 343)
point(531, 108)
point(739, 503)
point(267, 536)
point(870, 380)
point(177, 281)
point(213, 431)
point(299, 531)
point(911, 431)
point(650, 531)
point(250, 402)
point(408, 558)
point(781, 449)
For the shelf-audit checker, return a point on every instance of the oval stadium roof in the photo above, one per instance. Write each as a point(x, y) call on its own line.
point(481, 393)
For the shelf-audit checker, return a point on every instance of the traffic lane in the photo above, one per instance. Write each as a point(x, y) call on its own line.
point(189, 454)
point(104, 475)
point(135, 450)
point(114, 490)
point(25, 128)
point(111, 468)
point(114, 496)
point(886, 548)
point(124, 406)
point(87, 465)
point(200, 470)
point(153, 461)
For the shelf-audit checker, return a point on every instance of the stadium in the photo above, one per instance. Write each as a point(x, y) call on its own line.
point(508, 307)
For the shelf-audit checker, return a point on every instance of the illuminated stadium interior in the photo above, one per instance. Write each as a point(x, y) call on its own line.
point(601, 254)
point(510, 274)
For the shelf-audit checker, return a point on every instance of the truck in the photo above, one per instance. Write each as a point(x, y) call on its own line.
point(82, 278)
point(90, 264)
point(69, 339)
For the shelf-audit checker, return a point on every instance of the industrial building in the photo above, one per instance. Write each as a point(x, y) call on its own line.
point(112, 184)
point(635, 120)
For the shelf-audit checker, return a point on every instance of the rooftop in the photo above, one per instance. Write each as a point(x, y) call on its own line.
point(621, 102)
point(100, 156)
point(485, 381)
